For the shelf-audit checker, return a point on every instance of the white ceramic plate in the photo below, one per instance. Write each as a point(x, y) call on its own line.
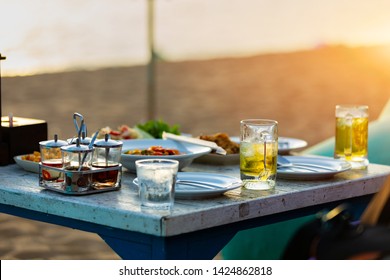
point(217, 159)
point(336, 166)
point(189, 151)
point(27, 165)
point(287, 144)
point(223, 183)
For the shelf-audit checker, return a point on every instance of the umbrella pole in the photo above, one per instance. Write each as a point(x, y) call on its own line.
point(151, 73)
point(1, 58)
point(4, 154)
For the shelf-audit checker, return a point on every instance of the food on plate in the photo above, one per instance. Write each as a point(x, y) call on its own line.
point(35, 157)
point(156, 127)
point(122, 132)
point(223, 140)
point(153, 151)
point(150, 129)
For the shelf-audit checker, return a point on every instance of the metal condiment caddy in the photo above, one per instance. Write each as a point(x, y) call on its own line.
point(74, 171)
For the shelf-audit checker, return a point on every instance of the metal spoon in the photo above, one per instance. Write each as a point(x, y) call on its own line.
point(78, 127)
point(90, 146)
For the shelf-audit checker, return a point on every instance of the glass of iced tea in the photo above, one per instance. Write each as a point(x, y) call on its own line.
point(351, 141)
point(51, 157)
point(258, 153)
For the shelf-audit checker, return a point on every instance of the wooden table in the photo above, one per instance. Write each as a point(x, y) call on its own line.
point(196, 229)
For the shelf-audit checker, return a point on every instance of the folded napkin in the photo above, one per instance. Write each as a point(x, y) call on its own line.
point(214, 147)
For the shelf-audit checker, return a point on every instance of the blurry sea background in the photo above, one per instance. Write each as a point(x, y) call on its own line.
point(40, 36)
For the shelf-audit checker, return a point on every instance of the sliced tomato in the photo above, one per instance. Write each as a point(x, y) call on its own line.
point(157, 148)
point(46, 174)
point(124, 128)
point(114, 132)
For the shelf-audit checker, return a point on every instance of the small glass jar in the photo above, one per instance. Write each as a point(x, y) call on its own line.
point(77, 166)
point(107, 154)
point(51, 156)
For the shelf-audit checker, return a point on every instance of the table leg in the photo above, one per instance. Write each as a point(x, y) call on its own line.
point(204, 244)
point(201, 245)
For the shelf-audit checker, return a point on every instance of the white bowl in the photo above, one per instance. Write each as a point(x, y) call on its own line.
point(27, 165)
point(188, 152)
point(216, 159)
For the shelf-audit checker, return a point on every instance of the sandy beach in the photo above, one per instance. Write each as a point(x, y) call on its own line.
point(299, 89)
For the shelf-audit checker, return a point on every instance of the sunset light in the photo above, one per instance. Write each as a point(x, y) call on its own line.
point(50, 36)
point(225, 89)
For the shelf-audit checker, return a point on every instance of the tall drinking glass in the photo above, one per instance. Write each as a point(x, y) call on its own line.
point(258, 153)
point(351, 141)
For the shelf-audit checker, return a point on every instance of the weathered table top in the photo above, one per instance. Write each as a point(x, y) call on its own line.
point(120, 209)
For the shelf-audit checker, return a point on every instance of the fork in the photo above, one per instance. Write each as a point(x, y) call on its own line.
point(205, 185)
point(283, 162)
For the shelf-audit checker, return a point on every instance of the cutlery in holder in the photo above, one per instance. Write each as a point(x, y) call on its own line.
point(84, 181)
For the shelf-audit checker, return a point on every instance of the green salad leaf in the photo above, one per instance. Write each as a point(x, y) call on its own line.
point(142, 133)
point(157, 127)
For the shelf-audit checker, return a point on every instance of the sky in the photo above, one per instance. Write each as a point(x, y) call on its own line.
point(55, 35)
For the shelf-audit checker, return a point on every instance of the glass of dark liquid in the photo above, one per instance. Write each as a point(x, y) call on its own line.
point(51, 157)
point(105, 159)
